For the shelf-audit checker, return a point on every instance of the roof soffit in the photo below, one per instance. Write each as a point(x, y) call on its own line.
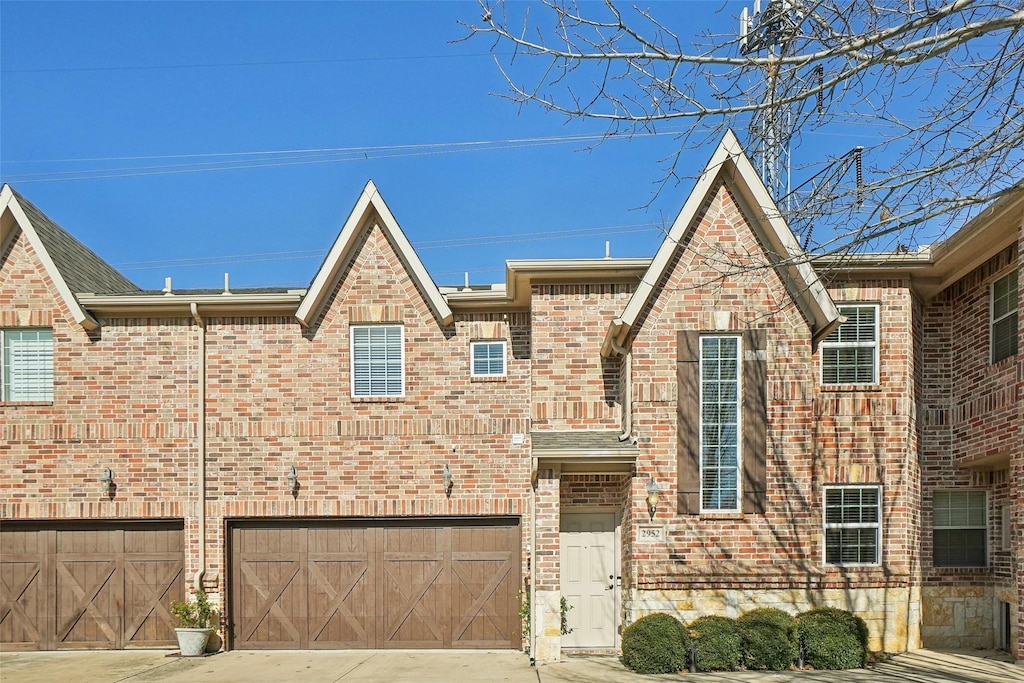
point(729, 164)
point(369, 201)
point(12, 216)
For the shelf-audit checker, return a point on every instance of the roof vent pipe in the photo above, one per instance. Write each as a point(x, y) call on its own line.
point(227, 289)
point(607, 249)
point(167, 286)
point(465, 287)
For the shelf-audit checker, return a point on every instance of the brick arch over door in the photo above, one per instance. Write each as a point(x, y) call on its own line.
point(398, 583)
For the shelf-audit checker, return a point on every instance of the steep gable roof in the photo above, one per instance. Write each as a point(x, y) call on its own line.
point(369, 202)
point(72, 267)
point(731, 165)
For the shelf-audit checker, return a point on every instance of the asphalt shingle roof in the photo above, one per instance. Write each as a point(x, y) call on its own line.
point(579, 440)
point(81, 268)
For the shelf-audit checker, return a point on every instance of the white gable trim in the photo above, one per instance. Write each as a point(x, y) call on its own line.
point(9, 203)
point(729, 162)
point(369, 201)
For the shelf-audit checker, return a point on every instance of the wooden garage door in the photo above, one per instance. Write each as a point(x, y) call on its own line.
point(380, 584)
point(84, 586)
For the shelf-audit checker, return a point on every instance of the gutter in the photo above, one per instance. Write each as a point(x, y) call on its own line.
point(197, 580)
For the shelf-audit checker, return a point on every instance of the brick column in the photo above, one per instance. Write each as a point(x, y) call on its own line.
point(547, 596)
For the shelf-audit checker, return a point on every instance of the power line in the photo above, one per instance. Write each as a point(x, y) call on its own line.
point(456, 243)
point(280, 158)
point(219, 65)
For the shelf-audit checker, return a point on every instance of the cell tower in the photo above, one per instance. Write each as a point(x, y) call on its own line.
point(771, 30)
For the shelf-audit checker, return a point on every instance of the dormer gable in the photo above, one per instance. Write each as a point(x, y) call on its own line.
point(730, 165)
point(369, 203)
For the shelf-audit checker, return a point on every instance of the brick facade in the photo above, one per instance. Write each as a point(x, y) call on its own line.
point(277, 394)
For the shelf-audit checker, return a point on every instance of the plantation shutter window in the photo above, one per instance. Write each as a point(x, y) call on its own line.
point(853, 525)
point(960, 529)
point(1004, 317)
point(378, 360)
point(849, 355)
point(721, 422)
point(27, 365)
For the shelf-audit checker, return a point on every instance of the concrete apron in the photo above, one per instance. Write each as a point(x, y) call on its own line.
point(419, 666)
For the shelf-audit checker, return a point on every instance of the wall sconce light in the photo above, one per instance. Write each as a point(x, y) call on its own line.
point(293, 480)
point(652, 497)
point(446, 478)
point(107, 481)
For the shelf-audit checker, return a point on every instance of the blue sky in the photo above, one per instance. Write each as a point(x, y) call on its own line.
point(148, 86)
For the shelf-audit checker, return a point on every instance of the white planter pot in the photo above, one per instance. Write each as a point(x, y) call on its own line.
point(192, 641)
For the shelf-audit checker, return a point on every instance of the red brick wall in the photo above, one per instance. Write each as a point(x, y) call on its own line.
point(719, 281)
point(277, 396)
point(572, 386)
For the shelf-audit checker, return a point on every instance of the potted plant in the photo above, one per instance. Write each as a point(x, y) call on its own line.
point(194, 629)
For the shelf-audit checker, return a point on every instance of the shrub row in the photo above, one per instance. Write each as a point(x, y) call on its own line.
point(765, 639)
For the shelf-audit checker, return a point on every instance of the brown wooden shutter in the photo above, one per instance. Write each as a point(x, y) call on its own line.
point(755, 421)
point(688, 422)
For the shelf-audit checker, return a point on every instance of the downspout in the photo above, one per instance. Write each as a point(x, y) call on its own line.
point(533, 565)
point(627, 391)
point(197, 580)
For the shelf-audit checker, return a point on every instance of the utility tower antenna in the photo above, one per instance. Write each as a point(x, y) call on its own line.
point(771, 30)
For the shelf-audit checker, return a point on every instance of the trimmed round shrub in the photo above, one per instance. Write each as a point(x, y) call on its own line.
point(833, 639)
point(655, 644)
point(768, 639)
point(716, 643)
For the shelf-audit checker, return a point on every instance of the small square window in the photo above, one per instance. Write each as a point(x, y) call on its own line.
point(487, 358)
point(960, 529)
point(1003, 329)
point(378, 360)
point(850, 354)
point(26, 364)
point(853, 525)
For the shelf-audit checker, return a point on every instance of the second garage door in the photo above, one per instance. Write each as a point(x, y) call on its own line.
point(375, 584)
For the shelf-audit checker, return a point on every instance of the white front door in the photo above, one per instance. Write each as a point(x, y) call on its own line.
point(589, 578)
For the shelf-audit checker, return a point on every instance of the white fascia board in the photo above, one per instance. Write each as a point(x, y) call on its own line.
point(8, 202)
point(369, 200)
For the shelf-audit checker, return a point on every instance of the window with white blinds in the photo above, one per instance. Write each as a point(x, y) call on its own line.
point(27, 365)
point(378, 360)
point(1004, 317)
point(853, 525)
point(719, 423)
point(488, 359)
point(850, 354)
point(960, 533)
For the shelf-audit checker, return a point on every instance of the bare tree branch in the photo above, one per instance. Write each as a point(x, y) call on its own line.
point(934, 88)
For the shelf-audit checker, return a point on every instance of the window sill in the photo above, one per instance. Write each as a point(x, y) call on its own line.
point(378, 399)
point(849, 388)
point(962, 570)
point(24, 404)
point(721, 514)
point(488, 378)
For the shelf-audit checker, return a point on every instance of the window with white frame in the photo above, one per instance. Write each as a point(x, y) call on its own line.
point(26, 363)
point(960, 529)
point(487, 358)
point(853, 525)
point(849, 355)
point(719, 423)
point(378, 360)
point(1003, 331)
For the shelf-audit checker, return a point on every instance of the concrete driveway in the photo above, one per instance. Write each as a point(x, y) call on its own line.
point(922, 666)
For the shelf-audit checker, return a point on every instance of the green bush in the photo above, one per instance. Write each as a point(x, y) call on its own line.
point(655, 644)
point(716, 643)
point(833, 639)
point(768, 639)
